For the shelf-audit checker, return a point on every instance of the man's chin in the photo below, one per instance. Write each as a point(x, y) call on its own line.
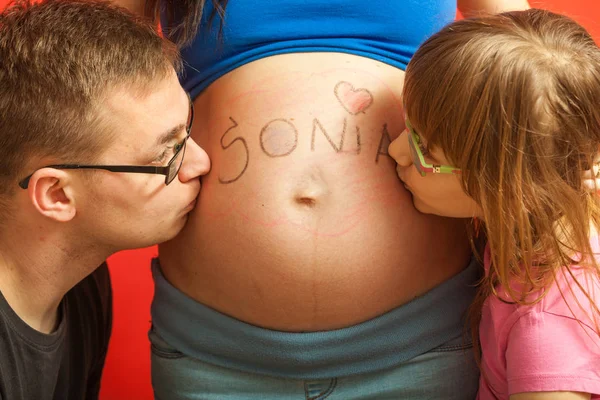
point(175, 229)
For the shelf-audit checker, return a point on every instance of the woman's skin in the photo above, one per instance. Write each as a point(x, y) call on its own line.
point(309, 229)
point(312, 231)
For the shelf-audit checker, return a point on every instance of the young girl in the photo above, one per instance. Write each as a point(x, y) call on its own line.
point(502, 115)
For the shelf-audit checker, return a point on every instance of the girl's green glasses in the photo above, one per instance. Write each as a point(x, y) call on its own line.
point(414, 143)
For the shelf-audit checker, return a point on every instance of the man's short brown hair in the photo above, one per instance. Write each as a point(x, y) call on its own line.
point(58, 60)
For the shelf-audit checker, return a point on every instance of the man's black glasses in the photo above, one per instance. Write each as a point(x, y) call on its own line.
point(170, 170)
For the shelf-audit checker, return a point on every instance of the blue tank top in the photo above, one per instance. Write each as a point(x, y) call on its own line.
point(386, 30)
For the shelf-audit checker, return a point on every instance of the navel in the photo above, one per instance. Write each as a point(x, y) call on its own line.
point(310, 189)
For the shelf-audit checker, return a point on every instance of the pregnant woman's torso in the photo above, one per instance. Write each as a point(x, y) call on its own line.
point(302, 223)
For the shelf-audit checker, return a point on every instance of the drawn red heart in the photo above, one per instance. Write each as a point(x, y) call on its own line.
point(353, 100)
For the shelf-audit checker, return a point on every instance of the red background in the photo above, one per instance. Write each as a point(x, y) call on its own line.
point(127, 373)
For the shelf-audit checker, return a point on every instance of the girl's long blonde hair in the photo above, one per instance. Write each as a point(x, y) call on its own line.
point(514, 101)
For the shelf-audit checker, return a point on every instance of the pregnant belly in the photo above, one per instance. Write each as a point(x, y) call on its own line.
point(302, 223)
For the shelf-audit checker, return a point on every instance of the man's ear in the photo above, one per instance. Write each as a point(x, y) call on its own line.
point(52, 194)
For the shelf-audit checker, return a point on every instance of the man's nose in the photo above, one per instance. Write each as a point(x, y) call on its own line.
point(399, 150)
point(195, 162)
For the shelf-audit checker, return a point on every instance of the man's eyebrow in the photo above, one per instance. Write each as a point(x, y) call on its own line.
point(170, 135)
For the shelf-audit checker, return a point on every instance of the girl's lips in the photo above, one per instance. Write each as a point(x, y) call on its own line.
point(399, 173)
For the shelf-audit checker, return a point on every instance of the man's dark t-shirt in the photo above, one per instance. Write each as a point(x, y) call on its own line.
point(66, 364)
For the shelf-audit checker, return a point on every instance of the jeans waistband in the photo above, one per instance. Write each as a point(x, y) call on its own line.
point(383, 342)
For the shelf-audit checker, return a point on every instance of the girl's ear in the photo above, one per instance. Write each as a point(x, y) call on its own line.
point(52, 194)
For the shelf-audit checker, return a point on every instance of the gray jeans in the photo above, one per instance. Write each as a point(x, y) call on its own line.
point(417, 351)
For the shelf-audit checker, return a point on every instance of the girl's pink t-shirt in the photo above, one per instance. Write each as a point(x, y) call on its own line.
point(549, 346)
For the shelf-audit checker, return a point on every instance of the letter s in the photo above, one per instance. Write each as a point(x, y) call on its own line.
point(226, 146)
